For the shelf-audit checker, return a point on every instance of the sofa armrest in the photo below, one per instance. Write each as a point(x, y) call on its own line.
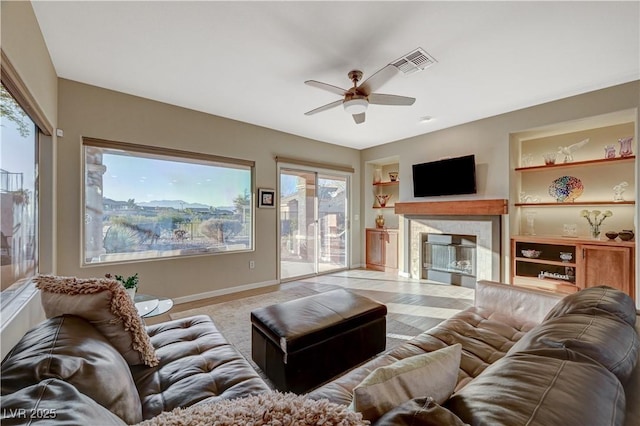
point(522, 303)
point(632, 389)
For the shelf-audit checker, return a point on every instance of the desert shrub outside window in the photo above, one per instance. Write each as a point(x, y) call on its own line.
point(144, 202)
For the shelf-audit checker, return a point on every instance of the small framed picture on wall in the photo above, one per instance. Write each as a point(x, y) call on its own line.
point(266, 198)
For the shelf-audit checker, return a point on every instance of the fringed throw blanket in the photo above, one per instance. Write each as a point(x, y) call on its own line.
point(106, 305)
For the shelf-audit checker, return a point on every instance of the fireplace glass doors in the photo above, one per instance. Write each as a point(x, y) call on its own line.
point(449, 259)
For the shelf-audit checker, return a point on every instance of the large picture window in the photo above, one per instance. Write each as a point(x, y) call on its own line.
point(18, 196)
point(144, 203)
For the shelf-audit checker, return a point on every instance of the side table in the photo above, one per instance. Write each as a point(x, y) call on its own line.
point(150, 306)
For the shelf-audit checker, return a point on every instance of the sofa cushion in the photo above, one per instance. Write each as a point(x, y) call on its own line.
point(53, 401)
point(106, 305)
point(597, 301)
point(419, 412)
point(197, 364)
point(70, 349)
point(485, 337)
point(432, 374)
point(605, 339)
point(528, 389)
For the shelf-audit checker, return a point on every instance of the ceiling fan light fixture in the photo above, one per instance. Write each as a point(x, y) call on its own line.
point(355, 106)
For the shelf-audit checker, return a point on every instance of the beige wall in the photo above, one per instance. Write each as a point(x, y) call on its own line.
point(94, 112)
point(24, 45)
point(489, 140)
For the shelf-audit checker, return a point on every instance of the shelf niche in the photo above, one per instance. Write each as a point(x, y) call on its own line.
point(531, 182)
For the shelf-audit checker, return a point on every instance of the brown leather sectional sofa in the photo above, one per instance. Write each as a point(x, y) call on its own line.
point(64, 371)
point(532, 358)
point(528, 358)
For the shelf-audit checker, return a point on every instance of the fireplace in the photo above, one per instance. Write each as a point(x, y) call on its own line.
point(449, 258)
point(485, 230)
point(472, 222)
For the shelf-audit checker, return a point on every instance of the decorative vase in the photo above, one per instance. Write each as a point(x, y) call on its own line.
point(595, 231)
point(382, 199)
point(549, 158)
point(570, 230)
point(131, 292)
point(531, 220)
point(625, 146)
point(377, 176)
point(609, 151)
point(380, 221)
point(393, 176)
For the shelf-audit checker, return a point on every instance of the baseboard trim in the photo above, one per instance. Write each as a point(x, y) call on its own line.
point(224, 291)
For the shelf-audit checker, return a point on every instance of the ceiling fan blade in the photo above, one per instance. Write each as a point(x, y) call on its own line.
point(358, 118)
point(324, 86)
point(376, 81)
point(382, 99)
point(324, 107)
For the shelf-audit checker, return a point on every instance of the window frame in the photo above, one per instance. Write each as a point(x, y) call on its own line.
point(168, 154)
point(12, 301)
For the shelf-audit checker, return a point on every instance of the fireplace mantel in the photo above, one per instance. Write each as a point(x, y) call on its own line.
point(454, 208)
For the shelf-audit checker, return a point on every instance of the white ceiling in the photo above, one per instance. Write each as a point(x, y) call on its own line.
point(248, 61)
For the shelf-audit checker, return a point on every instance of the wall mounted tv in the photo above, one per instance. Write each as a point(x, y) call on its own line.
point(450, 176)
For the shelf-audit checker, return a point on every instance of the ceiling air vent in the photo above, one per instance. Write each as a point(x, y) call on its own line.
point(414, 61)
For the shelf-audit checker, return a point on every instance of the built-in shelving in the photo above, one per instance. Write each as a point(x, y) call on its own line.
point(390, 183)
point(577, 203)
point(540, 222)
point(600, 161)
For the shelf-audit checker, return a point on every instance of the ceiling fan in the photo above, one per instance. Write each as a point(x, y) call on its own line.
point(356, 99)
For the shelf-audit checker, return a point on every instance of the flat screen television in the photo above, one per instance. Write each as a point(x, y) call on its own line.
point(450, 176)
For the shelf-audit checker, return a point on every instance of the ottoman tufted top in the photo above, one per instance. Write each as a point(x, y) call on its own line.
point(302, 322)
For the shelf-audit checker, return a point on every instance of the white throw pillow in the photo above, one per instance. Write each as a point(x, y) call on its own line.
point(433, 374)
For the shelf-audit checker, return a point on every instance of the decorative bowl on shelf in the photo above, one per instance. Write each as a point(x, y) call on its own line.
point(566, 189)
point(393, 176)
point(626, 235)
point(611, 235)
point(566, 256)
point(531, 253)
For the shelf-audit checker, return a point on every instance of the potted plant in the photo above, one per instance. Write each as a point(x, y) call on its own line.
point(130, 283)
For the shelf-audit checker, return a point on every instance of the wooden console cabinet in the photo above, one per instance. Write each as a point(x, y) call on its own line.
point(610, 265)
point(587, 263)
point(382, 249)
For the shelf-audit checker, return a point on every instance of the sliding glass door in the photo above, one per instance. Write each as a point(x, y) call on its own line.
point(332, 223)
point(313, 222)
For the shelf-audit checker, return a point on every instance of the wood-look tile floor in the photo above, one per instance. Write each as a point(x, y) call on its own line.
point(417, 303)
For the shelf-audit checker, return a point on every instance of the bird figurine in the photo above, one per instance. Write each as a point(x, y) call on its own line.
point(568, 151)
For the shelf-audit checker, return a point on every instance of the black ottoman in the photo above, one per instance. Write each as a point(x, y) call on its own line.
point(305, 342)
